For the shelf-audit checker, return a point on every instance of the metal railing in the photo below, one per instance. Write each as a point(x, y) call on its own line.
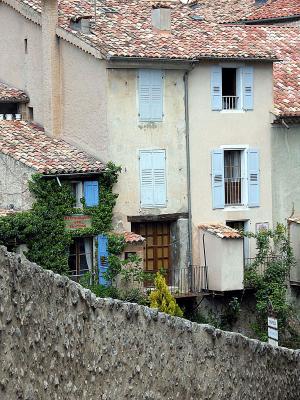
point(230, 102)
point(233, 191)
point(186, 281)
point(260, 267)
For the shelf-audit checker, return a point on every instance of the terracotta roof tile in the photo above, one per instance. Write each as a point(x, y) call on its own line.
point(221, 231)
point(29, 144)
point(274, 9)
point(131, 237)
point(9, 94)
point(128, 33)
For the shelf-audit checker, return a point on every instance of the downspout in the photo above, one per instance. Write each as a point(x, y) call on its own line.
point(188, 168)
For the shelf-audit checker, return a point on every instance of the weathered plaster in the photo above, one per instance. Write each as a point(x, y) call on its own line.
point(14, 184)
point(285, 172)
point(59, 341)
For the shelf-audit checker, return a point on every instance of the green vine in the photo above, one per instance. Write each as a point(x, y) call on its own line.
point(268, 275)
point(43, 227)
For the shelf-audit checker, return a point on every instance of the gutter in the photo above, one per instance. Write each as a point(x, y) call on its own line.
point(189, 60)
point(188, 162)
point(270, 20)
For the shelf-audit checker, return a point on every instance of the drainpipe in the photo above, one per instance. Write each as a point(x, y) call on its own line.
point(188, 165)
point(51, 69)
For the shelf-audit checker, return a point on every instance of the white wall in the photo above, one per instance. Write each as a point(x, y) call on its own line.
point(224, 261)
point(211, 129)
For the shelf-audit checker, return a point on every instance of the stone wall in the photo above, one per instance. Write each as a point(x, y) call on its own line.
point(58, 341)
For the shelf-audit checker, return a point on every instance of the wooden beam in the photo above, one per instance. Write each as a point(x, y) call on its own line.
point(157, 218)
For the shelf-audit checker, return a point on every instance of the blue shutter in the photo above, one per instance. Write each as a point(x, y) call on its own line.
point(102, 258)
point(216, 88)
point(156, 95)
point(91, 193)
point(253, 178)
point(248, 88)
point(146, 178)
point(218, 191)
point(159, 177)
point(150, 95)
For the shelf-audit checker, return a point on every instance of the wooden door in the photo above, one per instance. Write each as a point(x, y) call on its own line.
point(157, 249)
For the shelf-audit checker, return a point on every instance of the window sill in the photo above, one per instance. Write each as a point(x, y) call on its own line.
point(232, 111)
point(236, 208)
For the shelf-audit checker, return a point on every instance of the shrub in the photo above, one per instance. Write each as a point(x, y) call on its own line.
point(162, 299)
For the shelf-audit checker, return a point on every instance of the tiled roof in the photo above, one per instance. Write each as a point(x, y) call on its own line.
point(221, 231)
point(129, 33)
point(9, 94)
point(131, 237)
point(275, 9)
point(286, 43)
point(28, 144)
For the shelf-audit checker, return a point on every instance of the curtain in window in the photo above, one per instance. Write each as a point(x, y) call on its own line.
point(88, 249)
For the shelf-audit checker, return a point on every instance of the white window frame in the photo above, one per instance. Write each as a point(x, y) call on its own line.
point(244, 169)
point(239, 76)
point(79, 193)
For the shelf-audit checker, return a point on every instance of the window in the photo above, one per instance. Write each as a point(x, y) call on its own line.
point(235, 178)
point(81, 257)
point(77, 190)
point(150, 95)
point(30, 114)
point(26, 46)
point(153, 178)
point(243, 226)
point(232, 88)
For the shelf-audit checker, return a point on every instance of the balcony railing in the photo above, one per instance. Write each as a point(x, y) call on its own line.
point(260, 267)
point(233, 191)
point(188, 281)
point(230, 102)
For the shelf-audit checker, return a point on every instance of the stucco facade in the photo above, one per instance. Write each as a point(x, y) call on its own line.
point(211, 130)
point(14, 192)
point(285, 172)
point(21, 57)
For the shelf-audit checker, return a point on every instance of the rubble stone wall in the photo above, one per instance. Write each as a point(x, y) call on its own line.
point(58, 341)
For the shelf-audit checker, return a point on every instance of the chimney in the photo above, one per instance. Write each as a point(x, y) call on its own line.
point(51, 69)
point(81, 24)
point(161, 18)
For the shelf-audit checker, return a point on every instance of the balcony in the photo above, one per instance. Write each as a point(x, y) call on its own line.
point(233, 191)
point(186, 282)
point(230, 102)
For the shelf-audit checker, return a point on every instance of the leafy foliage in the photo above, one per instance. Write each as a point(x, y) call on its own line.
point(43, 228)
point(268, 274)
point(162, 299)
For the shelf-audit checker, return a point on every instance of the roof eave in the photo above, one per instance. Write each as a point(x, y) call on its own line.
point(270, 20)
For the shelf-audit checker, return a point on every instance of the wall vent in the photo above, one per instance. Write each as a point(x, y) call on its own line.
point(81, 24)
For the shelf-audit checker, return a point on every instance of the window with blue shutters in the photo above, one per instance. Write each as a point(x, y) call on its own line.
point(150, 88)
point(232, 88)
point(91, 193)
point(102, 259)
point(253, 178)
point(235, 178)
point(153, 191)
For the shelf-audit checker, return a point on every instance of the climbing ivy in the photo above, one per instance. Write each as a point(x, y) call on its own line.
point(43, 228)
point(268, 275)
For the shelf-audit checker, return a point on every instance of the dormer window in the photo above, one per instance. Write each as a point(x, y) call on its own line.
point(231, 88)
